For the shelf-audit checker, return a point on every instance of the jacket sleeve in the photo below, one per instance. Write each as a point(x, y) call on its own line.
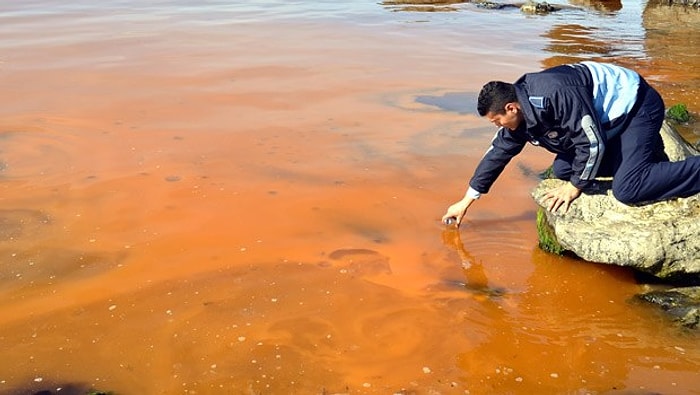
point(504, 146)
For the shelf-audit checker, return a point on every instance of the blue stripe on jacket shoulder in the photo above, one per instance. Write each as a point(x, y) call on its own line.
point(538, 101)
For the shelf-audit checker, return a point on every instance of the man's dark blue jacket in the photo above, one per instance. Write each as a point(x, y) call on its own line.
point(570, 109)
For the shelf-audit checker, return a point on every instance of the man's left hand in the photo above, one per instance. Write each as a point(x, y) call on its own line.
point(561, 196)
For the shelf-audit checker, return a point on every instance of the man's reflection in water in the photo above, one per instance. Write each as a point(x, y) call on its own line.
point(473, 270)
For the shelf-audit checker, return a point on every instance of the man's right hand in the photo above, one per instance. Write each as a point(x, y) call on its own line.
point(457, 211)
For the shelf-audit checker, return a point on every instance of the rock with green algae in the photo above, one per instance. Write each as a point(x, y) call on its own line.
point(661, 239)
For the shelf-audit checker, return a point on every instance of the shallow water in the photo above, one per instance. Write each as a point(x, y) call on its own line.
point(218, 198)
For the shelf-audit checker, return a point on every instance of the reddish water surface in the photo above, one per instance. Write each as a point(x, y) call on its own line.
point(246, 199)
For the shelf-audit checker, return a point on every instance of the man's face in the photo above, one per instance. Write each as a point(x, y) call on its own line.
point(511, 118)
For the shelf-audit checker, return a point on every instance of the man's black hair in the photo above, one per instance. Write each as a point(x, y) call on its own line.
point(494, 96)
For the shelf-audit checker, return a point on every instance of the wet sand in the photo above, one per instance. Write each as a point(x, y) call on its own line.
point(247, 200)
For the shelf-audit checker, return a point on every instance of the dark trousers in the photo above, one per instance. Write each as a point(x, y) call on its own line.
point(641, 171)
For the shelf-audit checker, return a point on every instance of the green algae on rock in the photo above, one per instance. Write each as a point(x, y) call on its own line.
point(545, 233)
point(678, 113)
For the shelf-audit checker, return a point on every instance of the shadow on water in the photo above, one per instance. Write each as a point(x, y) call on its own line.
point(459, 102)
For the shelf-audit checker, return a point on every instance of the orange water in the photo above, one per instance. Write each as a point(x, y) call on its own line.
point(246, 199)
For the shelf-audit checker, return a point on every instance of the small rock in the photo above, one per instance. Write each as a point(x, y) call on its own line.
point(681, 304)
point(533, 7)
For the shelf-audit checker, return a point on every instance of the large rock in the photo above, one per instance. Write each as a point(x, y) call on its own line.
point(662, 239)
point(692, 3)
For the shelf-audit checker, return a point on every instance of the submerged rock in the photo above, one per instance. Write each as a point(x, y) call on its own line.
point(529, 7)
point(536, 7)
point(692, 3)
point(682, 304)
point(662, 239)
point(490, 5)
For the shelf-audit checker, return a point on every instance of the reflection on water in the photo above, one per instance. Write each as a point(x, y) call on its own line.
point(653, 37)
point(673, 34)
point(245, 198)
point(423, 5)
point(474, 272)
point(599, 5)
point(575, 42)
